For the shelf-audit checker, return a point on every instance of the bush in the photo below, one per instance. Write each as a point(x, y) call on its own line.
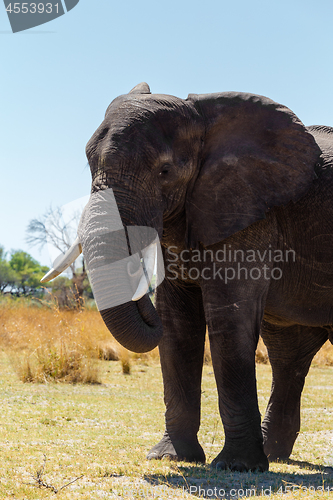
point(58, 363)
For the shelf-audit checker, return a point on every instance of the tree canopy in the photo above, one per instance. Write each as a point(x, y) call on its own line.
point(21, 274)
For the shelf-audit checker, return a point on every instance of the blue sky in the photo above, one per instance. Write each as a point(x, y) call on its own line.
point(57, 80)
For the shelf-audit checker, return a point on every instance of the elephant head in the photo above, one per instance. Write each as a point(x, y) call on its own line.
point(210, 164)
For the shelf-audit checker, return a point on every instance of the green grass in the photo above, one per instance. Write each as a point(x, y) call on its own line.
point(103, 432)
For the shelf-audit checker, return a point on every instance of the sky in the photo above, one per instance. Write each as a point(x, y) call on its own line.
point(57, 80)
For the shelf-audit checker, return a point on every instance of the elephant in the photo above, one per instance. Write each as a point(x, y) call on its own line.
point(238, 194)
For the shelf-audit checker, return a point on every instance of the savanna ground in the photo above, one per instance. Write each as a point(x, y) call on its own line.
point(96, 429)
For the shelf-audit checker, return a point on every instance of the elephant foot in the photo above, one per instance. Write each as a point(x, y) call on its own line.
point(241, 462)
point(279, 438)
point(177, 449)
point(277, 449)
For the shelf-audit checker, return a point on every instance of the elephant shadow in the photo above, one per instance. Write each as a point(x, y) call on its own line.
point(204, 482)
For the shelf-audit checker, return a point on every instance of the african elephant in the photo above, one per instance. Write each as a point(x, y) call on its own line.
point(239, 192)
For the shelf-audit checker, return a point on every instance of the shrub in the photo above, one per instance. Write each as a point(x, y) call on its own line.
point(58, 362)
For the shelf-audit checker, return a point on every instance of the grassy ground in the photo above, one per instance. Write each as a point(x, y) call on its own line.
point(104, 431)
point(98, 434)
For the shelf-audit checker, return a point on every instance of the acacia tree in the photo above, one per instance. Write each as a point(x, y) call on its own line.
point(28, 272)
point(21, 274)
point(59, 232)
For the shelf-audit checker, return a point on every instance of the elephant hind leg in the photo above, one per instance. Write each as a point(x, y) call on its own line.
point(291, 350)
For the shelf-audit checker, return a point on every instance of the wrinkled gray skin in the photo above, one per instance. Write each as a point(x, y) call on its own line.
point(224, 169)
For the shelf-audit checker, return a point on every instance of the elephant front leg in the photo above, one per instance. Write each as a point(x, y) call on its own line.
point(233, 333)
point(291, 350)
point(181, 354)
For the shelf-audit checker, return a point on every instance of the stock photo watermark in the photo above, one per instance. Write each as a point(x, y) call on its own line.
point(26, 15)
point(217, 492)
point(227, 264)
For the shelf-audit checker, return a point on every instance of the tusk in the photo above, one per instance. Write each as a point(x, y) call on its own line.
point(149, 258)
point(138, 273)
point(63, 261)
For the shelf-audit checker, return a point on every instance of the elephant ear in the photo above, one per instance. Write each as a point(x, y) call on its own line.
point(256, 155)
point(141, 88)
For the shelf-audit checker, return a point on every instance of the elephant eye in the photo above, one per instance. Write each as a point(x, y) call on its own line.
point(165, 170)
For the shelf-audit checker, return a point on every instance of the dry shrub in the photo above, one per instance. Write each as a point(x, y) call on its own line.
point(108, 351)
point(325, 356)
point(126, 366)
point(57, 363)
point(261, 353)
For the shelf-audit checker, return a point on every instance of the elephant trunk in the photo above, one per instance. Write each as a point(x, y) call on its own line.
point(120, 287)
point(135, 325)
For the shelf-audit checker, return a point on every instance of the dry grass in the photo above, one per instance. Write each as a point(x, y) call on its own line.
point(53, 344)
point(48, 343)
point(63, 345)
point(98, 437)
point(103, 432)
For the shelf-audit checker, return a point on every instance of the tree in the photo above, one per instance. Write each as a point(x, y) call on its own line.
point(21, 274)
point(28, 272)
point(57, 228)
point(52, 229)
